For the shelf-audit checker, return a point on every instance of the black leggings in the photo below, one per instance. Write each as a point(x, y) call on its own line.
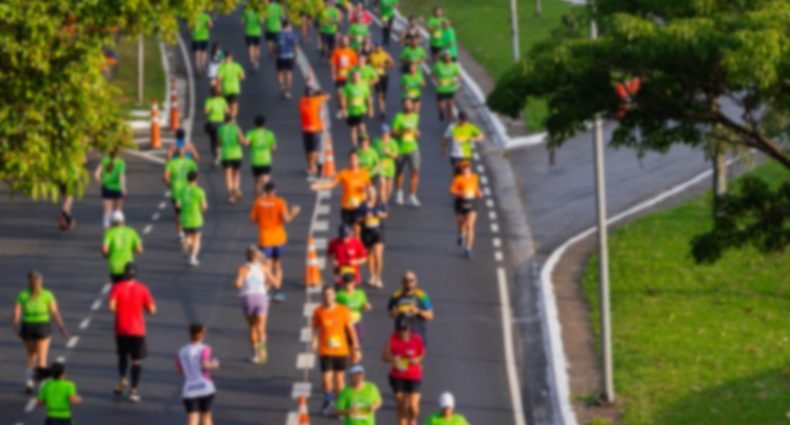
point(211, 129)
point(386, 30)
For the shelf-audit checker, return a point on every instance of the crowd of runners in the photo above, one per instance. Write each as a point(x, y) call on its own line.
point(385, 148)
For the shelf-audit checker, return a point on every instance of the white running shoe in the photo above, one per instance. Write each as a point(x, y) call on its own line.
point(413, 201)
point(399, 198)
point(194, 262)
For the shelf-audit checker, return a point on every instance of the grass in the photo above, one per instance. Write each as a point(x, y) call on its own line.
point(701, 345)
point(153, 74)
point(483, 29)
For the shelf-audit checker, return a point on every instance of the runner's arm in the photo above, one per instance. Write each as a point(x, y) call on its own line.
point(105, 250)
point(166, 177)
point(53, 310)
point(288, 216)
point(425, 314)
point(97, 173)
point(123, 183)
point(150, 305)
point(75, 399)
point(386, 353)
point(242, 273)
point(16, 316)
point(191, 148)
point(242, 137)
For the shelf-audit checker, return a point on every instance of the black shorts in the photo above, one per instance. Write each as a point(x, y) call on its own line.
point(174, 202)
point(261, 170)
point(58, 421)
point(328, 40)
point(405, 67)
point(231, 163)
point(311, 141)
point(231, 98)
point(435, 50)
point(110, 193)
point(199, 46)
point(285, 64)
point(408, 386)
point(372, 236)
point(354, 121)
point(465, 206)
point(199, 404)
point(382, 85)
point(349, 217)
point(192, 230)
point(271, 36)
point(211, 128)
point(339, 84)
point(35, 331)
point(333, 363)
point(132, 346)
point(252, 40)
point(445, 96)
point(115, 278)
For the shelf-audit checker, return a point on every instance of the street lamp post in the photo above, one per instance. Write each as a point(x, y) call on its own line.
point(514, 29)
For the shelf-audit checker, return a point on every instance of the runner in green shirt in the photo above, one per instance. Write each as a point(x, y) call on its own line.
point(358, 402)
point(368, 157)
point(412, 53)
point(231, 138)
point(356, 34)
point(387, 149)
point(120, 244)
point(229, 76)
point(58, 395)
point(215, 109)
point(111, 173)
point(328, 20)
point(273, 18)
point(387, 12)
point(201, 28)
point(356, 101)
point(435, 30)
point(192, 204)
point(446, 77)
point(449, 41)
point(366, 71)
point(355, 299)
point(412, 83)
point(252, 20)
point(445, 415)
point(405, 128)
point(262, 142)
point(175, 176)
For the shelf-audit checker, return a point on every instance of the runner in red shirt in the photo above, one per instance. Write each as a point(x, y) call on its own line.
point(129, 299)
point(404, 352)
point(347, 252)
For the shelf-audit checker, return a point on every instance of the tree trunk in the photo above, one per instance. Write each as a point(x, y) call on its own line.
point(720, 174)
point(538, 8)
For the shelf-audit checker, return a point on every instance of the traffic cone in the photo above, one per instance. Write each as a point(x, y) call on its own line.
point(328, 167)
point(174, 115)
point(312, 274)
point(303, 415)
point(156, 141)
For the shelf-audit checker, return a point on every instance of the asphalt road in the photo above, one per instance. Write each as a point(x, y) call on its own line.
point(465, 353)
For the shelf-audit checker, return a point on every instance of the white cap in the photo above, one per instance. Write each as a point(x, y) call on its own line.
point(117, 217)
point(446, 400)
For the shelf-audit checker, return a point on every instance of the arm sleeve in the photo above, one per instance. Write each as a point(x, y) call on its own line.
point(148, 299)
point(425, 300)
point(205, 355)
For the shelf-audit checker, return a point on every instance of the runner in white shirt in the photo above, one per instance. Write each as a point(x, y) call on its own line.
point(195, 362)
point(253, 280)
point(460, 137)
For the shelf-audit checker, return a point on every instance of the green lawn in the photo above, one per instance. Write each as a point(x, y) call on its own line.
point(483, 28)
point(126, 77)
point(696, 345)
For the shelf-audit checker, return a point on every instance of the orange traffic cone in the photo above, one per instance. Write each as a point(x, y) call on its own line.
point(328, 167)
point(174, 115)
point(303, 416)
point(156, 141)
point(312, 274)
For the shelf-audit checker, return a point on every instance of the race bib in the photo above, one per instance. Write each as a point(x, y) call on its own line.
point(412, 93)
point(333, 342)
point(409, 135)
point(469, 194)
point(359, 411)
point(372, 221)
point(357, 101)
point(355, 201)
point(446, 81)
point(356, 316)
point(437, 33)
point(402, 364)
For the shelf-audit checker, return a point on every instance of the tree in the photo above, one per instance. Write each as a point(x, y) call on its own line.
point(55, 105)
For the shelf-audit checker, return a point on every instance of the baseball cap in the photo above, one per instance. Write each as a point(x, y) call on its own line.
point(385, 128)
point(117, 217)
point(349, 277)
point(402, 323)
point(446, 400)
point(357, 368)
point(345, 230)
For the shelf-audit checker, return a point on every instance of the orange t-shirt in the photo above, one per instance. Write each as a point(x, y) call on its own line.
point(343, 60)
point(331, 325)
point(354, 184)
point(310, 112)
point(466, 187)
point(268, 212)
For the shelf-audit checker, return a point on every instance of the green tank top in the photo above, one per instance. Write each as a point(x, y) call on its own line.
point(230, 145)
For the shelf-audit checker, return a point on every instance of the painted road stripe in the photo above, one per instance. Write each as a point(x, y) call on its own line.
point(321, 262)
point(162, 205)
point(155, 216)
point(487, 191)
point(497, 242)
point(96, 304)
point(510, 357)
point(320, 243)
point(494, 228)
point(322, 209)
point(301, 389)
point(323, 194)
point(321, 225)
point(481, 169)
point(167, 194)
point(305, 361)
point(85, 323)
point(309, 308)
point(492, 215)
point(306, 335)
point(106, 288)
point(314, 289)
point(292, 419)
point(61, 359)
point(73, 341)
point(498, 256)
point(147, 229)
point(476, 156)
point(490, 203)
point(484, 180)
point(31, 404)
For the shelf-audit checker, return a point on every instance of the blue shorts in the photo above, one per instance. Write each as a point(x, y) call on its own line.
point(273, 252)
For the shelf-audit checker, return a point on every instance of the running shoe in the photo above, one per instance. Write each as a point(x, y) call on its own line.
point(121, 387)
point(399, 198)
point(134, 396)
point(279, 296)
point(413, 201)
point(328, 409)
point(460, 240)
point(468, 252)
point(194, 262)
point(30, 385)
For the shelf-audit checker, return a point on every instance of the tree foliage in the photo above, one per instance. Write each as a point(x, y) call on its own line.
point(55, 105)
point(693, 57)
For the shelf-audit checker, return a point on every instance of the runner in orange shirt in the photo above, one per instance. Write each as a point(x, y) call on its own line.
point(466, 190)
point(335, 339)
point(312, 127)
point(354, 181)
point(271, 213)
point(343, 59)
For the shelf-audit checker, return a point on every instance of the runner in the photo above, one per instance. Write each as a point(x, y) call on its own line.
point(201, 27)
point(367, 46)
point(192, 204)
point(120, 244)
point(182, 143)
point(195, 361)
point(445, 415)
point(411, 32)
point(360, 15)
point(412, 303)
point(347, 252)
point(253, 280)
point(387, 13)
point(355, 103)
point(308, 11)
point(466, 190)
point(111, 173)
point(68, 189)
point(343, 59)
point(358, 402)
point(354, 299)
point(273, 15)
point(310, 106)
point(368, 159)
point(412, 53)
point(252, 20)
point(461, 136)
point(128, 300)
point(382, 62)
point(357, 32)
point(387, 149)
point(405, 128)
point(58, 395)
point(449, 41)
point(329, 19)
point(435, 29)
point(34, 309)
point(446, 77)
point(335, 340)
point(372, 212)
point(262, 143)
point(229, 77)
point(230, 140)
point(271, 213)
point(404, 352)
point(367, 73)
point(216, 57)
point(175, 177)
point(413, 83)
point(216, 108)
point(285, 47)
point(353, 180)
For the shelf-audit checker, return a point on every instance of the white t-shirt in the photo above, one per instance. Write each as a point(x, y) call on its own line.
point(197, 381)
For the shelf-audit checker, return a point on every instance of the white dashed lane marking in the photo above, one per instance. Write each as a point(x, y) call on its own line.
point(322, 209)
point(155, 216)
point(320, 243)
point(73, 341)
point(498, 256)
point(497, 242)
point(321, 225)
point(306, 335)
point(305, 361)
point(162, 205)
point(494, 228)
point(147, 229)
point(96, 304)
point(85, 323)
point(309, 308)
point(301, 389)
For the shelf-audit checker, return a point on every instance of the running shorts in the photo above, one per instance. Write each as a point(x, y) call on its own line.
point(435, 50)
point(58, 421)
point(382, 85)
point(131, 345)
point(408, 386)
point(254, 40)
point(333, 363)
point(231, 98)
point(311, 141)
point(260, 170)
point(192, 230)
point(273, 252)
point(445, 96)
point(199, 404)
point(349, 216)
point(465, 206)
point(354, 121)
point(110, 193)
point(35, 331)
point(271, 35)
point(328, 40)
point(174, 202)
point(285, 64)
point(200, 46)
point(372, 236)
point(231, 163)
point(339, 84)
point(256, 303)
point(115, 278)
point(412, 160)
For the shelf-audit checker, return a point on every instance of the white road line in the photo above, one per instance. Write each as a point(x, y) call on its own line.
point(321, 262)
point(147, 229)
point(146, 155)
point(320, 243)
point(167, 194)
point(494, 228)
point(497, 242)
point(155, 216)
point(324, 194)
point(481, 169)
point(510, 355)
point(498, 257)
point(61, 359)
point(106, 288)
point(486, 192)
point(306, 334)
point(321, 225)
point(292, 419)
point(314, 289)
point(191, 88)
point(96, 304)
point(484, 180)
point(85, 323)
point(305, 361)
point(490, 203)
point(19, 423)
point(323, 209)
point(162, 205)
point(301, 389)
point(73, 341)
point(308, 309)
point(492, 215)
point(31, 404)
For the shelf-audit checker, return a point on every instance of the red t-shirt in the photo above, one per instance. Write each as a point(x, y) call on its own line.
point(345, 251)
point(131, 298)
point(404, 351)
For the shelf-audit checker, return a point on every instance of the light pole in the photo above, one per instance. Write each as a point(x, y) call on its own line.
point(140, 69)
point(514, 29)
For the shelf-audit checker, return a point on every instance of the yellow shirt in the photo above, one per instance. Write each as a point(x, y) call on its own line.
point(378, 60)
